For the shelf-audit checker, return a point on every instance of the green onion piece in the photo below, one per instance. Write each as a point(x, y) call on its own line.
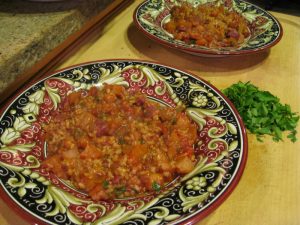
point(105, 184)
point(156, 186)
point(120, 190)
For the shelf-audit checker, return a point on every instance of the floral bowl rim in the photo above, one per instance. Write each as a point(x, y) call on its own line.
point(196, 217)
point(202, 51)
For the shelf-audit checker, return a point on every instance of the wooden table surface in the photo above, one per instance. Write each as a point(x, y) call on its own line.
point(269, 190)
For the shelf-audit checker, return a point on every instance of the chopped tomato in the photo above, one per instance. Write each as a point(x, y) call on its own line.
point(121, 146)
point(207, 25)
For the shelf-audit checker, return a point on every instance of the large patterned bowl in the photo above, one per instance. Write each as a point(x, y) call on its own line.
point(42, 197)
point(266, 31)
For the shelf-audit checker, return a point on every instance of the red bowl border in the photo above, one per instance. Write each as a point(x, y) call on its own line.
point(28, 217)
point(203, 52)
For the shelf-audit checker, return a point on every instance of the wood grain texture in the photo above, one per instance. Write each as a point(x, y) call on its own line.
point(268, 192)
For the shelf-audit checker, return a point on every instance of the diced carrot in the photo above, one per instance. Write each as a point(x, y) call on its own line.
point(91, 151)
point(184, 165)
point(151, 179)
point(70, 153)
point(74, 98)
point(117, 89)
point(170, 27)
point(93, 91)
point(201, 42)
point(54, 164)
point(136, 153)
point(82, 142)
point(98, 193)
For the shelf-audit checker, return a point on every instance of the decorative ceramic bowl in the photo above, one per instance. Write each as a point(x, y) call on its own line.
point(41, 196)
point(266, 31)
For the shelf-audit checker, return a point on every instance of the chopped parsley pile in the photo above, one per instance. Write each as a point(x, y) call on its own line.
point(262, 112)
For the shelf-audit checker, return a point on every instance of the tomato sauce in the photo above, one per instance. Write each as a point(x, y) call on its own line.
point(207, 25)
point(112, 143)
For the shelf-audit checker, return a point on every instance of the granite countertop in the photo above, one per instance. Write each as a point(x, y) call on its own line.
point(29, 30)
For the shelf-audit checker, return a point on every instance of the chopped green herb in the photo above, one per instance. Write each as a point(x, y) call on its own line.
point(156, 186)
point(262, 112)
point(142, 141)
point(121, 140)
point(105, 184)
point(135, 190)
point(174, 121)
point(78, 132)
point(120, 190)
point(192, 42)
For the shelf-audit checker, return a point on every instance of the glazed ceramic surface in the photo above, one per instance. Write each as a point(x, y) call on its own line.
point(265, 30)
point(42, 196)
